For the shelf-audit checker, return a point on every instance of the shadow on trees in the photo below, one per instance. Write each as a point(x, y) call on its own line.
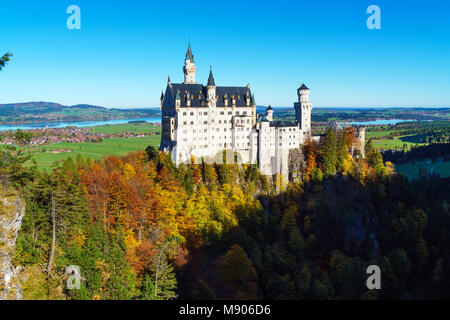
point(316, 242)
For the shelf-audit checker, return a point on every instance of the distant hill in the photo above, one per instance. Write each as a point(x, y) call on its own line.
point(29, 112)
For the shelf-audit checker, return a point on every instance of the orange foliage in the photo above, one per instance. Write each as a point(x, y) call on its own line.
point(146, 204)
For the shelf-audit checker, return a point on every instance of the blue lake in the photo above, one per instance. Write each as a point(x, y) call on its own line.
point(79, 124)
point(379, 122)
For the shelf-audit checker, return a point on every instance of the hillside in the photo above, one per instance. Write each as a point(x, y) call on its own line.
point(32, 112)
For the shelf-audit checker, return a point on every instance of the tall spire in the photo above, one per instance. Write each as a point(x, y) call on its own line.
point(189, 55)
point(211, 78)
point(189, 68)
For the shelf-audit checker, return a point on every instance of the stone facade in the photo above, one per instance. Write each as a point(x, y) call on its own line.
point(203, 121)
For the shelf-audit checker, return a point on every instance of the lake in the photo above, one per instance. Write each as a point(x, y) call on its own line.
point(379, 122)
point(80, 124)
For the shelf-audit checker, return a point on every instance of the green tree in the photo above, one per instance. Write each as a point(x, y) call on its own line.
point(374, 157)
point(165, 281)
point(152, 153)
point(5, 59)
point(23, 137)
point(328, 150)
point(236, 270)
point(12, 168)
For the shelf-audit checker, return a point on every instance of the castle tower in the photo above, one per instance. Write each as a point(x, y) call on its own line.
point(161, 100)
point(303, 109)
point(269, 114)
point(189, 68)
point(360, 135)
point(211, 90)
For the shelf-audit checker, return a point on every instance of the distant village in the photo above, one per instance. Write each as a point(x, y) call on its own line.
point(48, 136)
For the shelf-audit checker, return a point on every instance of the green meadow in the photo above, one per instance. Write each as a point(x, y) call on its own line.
point(411, 169)
point(397, 142)
point(138, 128)
point(114, 146)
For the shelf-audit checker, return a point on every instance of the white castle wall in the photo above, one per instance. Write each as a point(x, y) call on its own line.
point(205, 131)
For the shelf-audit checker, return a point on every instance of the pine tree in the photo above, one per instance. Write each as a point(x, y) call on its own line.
point(164, 280)
point(329, 152)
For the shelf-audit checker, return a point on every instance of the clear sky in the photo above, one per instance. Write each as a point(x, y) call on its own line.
point(125, 50)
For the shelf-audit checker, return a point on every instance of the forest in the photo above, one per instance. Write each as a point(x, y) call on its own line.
point(139, 227)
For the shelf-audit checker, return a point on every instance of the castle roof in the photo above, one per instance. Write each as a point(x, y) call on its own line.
point(261, 118)
point(278, 124)
point(211, 79)
point(199, 93)
point(189, 55)
point(304, 87)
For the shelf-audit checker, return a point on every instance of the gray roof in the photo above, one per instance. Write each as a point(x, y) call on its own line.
point(211, 78)
point(303, 87)
point(261, 118)
point(189, 54)
point(199, 93)
point(283, 123)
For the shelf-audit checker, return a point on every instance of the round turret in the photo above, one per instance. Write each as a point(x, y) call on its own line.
point(303, 93)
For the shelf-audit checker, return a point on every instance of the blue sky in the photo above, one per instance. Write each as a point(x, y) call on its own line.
point(125, 50)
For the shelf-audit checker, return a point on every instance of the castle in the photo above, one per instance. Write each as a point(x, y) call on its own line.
point(200, 122)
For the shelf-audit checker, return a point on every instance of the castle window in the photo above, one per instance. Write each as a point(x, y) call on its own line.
point(222, 113)
point(184, 113)
point(230, 113)
point(192, 113)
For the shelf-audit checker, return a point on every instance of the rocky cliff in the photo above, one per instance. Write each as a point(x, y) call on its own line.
point(12, 211)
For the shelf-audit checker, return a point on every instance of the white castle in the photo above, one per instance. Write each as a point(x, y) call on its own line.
point(200, 122)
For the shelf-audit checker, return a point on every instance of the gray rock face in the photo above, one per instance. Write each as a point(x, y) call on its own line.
point(12, 211)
